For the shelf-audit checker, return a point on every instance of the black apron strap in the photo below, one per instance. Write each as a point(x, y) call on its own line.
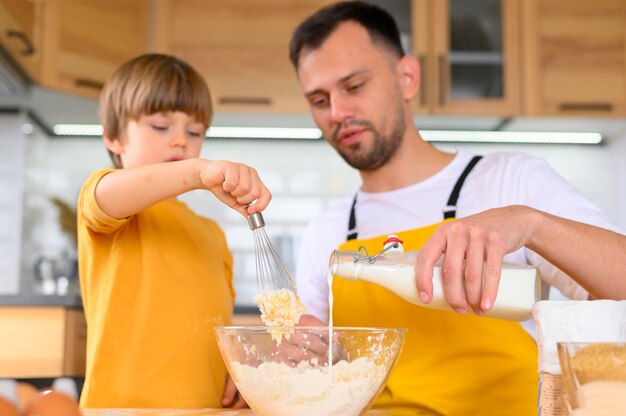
point(450, 209)
point(352, 232)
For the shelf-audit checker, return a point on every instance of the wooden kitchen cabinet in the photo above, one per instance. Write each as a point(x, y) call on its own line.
point(85, 41)
point(244, 58)
point(575, 57)
point(478, 57)
point(240, 47)
point(469, 55)
point(20, 24)
point(42, 342)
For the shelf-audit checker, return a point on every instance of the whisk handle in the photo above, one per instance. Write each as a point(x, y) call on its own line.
point(256, 221)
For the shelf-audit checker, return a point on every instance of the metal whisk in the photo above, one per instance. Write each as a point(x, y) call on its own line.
point(271, 272)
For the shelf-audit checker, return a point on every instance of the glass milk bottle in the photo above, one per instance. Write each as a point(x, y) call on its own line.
point(394, 269)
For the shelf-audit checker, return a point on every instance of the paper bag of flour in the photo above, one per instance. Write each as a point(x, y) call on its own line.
point(576, 321)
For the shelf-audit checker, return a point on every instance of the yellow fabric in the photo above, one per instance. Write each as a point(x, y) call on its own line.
point(154, 285)
point(451, 364)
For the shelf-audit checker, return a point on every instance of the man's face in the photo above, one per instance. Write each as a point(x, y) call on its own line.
point(354, 93)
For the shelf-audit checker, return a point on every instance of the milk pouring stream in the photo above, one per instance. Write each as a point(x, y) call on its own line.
point(394, 269)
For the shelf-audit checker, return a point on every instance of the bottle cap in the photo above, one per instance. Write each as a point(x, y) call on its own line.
point(393, 244)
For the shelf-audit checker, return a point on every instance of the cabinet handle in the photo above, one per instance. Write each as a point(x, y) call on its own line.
point(422, 62)
point(246, 100)
point(443, 81)
point(603, 107)
point(89, 83)
point(28, 46)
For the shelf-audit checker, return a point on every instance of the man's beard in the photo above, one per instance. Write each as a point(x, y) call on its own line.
point(383, 148)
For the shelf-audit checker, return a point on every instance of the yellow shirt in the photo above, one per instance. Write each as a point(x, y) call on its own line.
point(153, 285)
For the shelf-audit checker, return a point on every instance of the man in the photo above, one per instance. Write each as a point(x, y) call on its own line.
point(359, 83)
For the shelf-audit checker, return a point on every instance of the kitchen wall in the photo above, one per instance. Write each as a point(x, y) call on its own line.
point(304, 177)
point(619, 149)
point(12, 154)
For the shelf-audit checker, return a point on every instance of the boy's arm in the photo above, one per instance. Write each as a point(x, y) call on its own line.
point(125, 192)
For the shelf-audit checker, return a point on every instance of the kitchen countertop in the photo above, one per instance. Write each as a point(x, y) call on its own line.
point(165, 412)
point(73, 300)
point(191, 412)
point(37, 299)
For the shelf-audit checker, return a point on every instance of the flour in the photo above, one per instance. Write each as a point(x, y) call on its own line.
point(280, 310)
point(276, 389)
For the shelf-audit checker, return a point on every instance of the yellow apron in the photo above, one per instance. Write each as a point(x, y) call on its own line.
point(451, 364)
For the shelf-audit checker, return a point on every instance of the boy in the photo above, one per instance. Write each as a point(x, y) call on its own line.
point(155, 277)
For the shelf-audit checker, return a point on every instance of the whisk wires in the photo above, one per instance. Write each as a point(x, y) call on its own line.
point(271, 272)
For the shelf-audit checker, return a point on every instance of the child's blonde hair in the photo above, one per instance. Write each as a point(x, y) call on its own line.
point(149, 84)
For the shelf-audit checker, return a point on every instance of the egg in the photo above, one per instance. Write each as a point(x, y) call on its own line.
point(25, 393)
point(7, 408)
point(52, 403)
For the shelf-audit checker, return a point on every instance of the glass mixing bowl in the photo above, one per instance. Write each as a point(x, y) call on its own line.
point(293, 376)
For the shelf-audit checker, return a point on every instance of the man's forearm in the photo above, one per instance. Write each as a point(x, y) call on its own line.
point(594, 257)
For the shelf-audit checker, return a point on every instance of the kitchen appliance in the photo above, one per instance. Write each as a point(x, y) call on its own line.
point(56, 275)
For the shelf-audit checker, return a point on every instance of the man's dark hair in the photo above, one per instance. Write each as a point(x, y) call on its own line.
point(318, 27)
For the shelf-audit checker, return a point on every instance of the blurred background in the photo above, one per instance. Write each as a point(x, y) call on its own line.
point(494, 66)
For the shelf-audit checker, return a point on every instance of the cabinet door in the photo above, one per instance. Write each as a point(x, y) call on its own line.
point(474, 66)
point(85, 41)
point(421, 47)
point(575, 57)
point(75, 351)
point(20, 34)
point(32, 341)
point(240, 47)
point(42, 342)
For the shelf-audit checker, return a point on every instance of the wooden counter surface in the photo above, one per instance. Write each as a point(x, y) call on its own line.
point(45, 339)
point(165, 412)
point(189, 412)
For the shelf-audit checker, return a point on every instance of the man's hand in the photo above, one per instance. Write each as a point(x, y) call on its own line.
point(468, 245)
point(306, 346)
point(302, 347)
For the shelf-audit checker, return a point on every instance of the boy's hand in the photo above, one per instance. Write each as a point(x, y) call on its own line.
point(236, 185)
point(231, 397)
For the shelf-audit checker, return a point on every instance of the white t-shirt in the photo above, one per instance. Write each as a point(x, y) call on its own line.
point(499, 179)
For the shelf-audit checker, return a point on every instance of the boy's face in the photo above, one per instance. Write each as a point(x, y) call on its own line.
point(159, 137)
